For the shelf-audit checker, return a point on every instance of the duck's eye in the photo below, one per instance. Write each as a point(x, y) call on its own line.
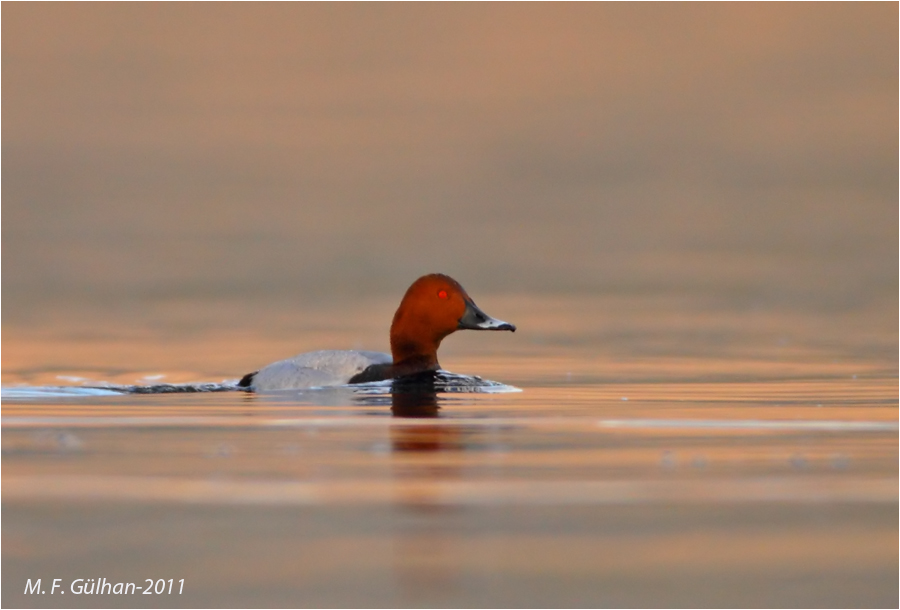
point(442, 294)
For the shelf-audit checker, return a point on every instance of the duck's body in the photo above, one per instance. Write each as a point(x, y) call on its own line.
point(432, 308)
point(314, 369)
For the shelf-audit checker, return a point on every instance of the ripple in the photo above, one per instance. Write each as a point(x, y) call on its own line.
point(439, 382)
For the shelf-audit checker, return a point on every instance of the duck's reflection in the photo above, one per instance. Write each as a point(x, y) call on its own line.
point(416, 397)
point(427, 454)
point(414, 404)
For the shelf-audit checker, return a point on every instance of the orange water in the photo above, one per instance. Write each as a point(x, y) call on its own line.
point(658, 453)
point(689, 211)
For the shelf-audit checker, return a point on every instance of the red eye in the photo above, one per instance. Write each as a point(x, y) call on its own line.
point(442, 294)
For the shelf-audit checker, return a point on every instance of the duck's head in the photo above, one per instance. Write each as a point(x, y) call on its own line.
point(432, 308)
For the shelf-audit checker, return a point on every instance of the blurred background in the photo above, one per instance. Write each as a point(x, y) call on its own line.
point(690, 210)
point(239, 154)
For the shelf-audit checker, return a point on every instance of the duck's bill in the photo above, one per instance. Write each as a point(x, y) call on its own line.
point(475, 319)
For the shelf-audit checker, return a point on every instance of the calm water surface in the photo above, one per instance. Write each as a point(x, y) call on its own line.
point(658, 452)
point(689, 211)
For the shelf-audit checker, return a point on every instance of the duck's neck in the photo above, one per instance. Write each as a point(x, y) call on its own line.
point(413, 353)
point(410, 355)
point(413, 365)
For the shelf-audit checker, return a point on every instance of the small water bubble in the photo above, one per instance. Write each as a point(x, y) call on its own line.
point(222, 451)
point(380, 448)
point(58, 441)
point(699, 461)
point(667, 460)
point(840, 461)
point(290, 449)
point(854, 377)
point(624, 398)
point(69, 442)
point(799, 462)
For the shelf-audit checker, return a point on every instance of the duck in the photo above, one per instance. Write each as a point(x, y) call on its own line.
point(433, 307)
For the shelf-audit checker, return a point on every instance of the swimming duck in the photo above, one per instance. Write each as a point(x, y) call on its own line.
point(433, 307)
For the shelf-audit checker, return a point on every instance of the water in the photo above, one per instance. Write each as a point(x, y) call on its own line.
point(689, 211)
point(659, 452)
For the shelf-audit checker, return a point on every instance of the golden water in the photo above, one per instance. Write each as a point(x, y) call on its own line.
point(688, 210)
point(659, 453)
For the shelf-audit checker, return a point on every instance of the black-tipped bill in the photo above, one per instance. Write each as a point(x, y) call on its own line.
point(475, 319)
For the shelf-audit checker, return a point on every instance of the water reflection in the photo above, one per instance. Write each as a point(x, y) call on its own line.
point(415, 396)
point(424, 559)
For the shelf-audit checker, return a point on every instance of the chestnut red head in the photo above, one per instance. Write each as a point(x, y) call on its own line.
point(433, 307)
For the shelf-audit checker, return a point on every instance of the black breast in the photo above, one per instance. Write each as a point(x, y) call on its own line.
point(373, 372)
